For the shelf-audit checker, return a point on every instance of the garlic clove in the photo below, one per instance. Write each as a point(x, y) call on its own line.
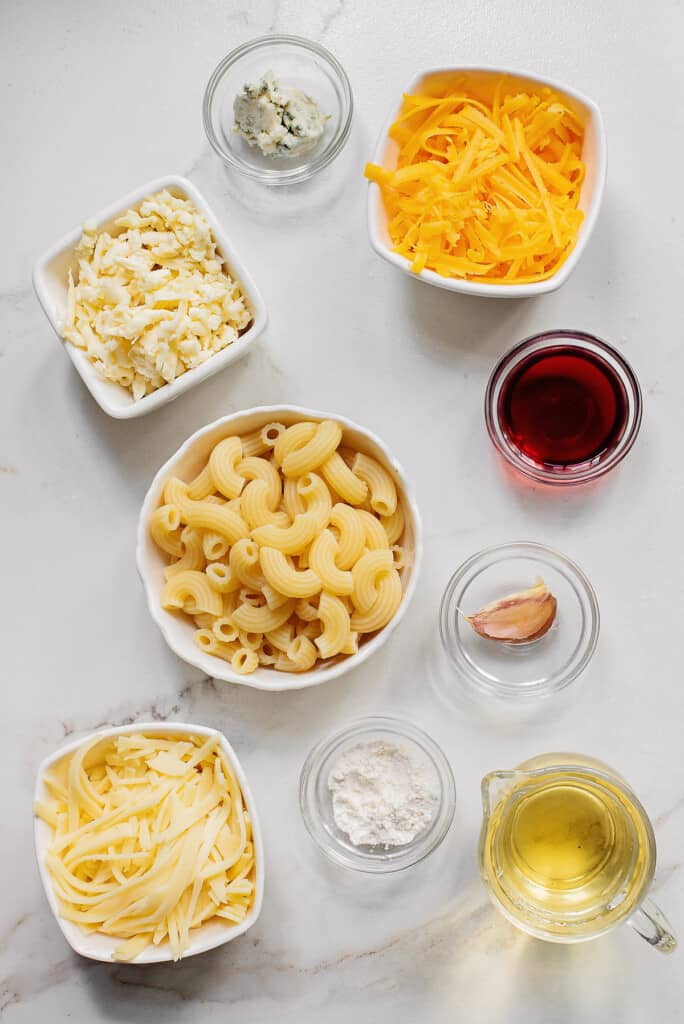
point(517, 618)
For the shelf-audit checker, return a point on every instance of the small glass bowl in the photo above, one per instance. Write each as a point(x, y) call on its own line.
point(315, 799)
point(295, 62)
point(519, 671)
point(581, 472)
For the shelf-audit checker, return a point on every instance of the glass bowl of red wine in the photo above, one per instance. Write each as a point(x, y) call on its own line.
point(563, 407)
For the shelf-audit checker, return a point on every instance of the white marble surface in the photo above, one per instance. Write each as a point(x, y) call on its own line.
point(98, 98)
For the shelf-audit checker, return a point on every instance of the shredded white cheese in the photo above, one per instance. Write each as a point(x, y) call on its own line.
point(151, 838)
point(154, 299)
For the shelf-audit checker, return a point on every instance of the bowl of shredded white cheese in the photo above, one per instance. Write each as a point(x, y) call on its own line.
point(278, 109)
point(172, 831)
point(378, 795)
point(149, 297)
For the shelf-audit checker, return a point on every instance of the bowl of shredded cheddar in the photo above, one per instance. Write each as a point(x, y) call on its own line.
point(487, 181)
point(148, 844)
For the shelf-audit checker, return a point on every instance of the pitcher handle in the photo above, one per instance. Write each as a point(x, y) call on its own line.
point(651, 924)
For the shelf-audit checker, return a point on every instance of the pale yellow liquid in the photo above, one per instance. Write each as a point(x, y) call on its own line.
point(567, 854)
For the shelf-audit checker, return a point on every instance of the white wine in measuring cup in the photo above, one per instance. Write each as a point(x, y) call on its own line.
point(567, 851)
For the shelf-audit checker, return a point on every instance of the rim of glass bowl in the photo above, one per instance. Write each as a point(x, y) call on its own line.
point(396, 858)
point(448, 613)
point(307, 170)
point(559, 476)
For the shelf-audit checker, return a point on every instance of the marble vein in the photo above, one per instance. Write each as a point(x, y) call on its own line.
point(158, 710)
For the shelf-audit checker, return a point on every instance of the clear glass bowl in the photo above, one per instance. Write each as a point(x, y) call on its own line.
point(295, 62)
point(519, 671)
point(315, 799)
point(580, 472)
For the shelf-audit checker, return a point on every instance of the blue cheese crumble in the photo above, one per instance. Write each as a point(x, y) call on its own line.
point(278, 120)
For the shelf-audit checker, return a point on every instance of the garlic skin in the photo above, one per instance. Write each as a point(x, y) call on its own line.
point(518, 618)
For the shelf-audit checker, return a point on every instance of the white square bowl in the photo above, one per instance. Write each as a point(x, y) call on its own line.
point(177, 629)
point(96, 946)
point(50, 281)
point(591, 195)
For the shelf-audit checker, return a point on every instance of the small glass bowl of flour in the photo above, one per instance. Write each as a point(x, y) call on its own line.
point(378, 795)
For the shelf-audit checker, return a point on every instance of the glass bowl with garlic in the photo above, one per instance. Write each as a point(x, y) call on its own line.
point(519, 621)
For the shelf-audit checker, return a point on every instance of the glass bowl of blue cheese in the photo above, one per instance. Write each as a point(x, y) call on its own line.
point(278, 109)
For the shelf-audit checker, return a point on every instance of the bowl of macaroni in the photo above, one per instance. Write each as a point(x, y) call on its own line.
point(149, 297)
point(279, 547)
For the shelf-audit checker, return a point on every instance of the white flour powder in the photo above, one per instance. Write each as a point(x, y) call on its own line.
point(382, 794)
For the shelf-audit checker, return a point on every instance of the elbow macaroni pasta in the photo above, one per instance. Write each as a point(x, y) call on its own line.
point(316, 497)
point(383, 493)
point(291, 440)
point(322, 559)
point(292, 499)
point(192, 557)
point(223, 467)
point(261, 620)
point(336, 625)
point(324, 441)
point(284, 549)
point(191, 592)
point(345, 483)
point(394, 524)
point(221, 578)
point(369, 569)
point(387, 601)
point(202, 486)
point(214, 546)
point(282, 637)
point(165, 530)
point(217, 518)
point(376, 538)
point(257, 508)
point(284, 578)
point(252, 468)
point(244, 564)
point(351, 535)
point(292, 539)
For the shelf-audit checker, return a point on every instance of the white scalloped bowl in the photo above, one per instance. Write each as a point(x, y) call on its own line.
point(593, 155)
point(96, 946)
point(178, 630)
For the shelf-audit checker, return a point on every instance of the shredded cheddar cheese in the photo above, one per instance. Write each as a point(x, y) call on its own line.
point(151, 838)
point(487, 181)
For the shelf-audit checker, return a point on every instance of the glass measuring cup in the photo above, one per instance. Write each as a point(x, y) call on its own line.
point(567, 852)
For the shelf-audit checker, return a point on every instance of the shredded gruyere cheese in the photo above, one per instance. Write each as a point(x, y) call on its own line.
point(487, 181)
point(153, 298)
point(151, 839)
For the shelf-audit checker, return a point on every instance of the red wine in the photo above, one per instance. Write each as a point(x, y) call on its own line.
point(563, 406)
